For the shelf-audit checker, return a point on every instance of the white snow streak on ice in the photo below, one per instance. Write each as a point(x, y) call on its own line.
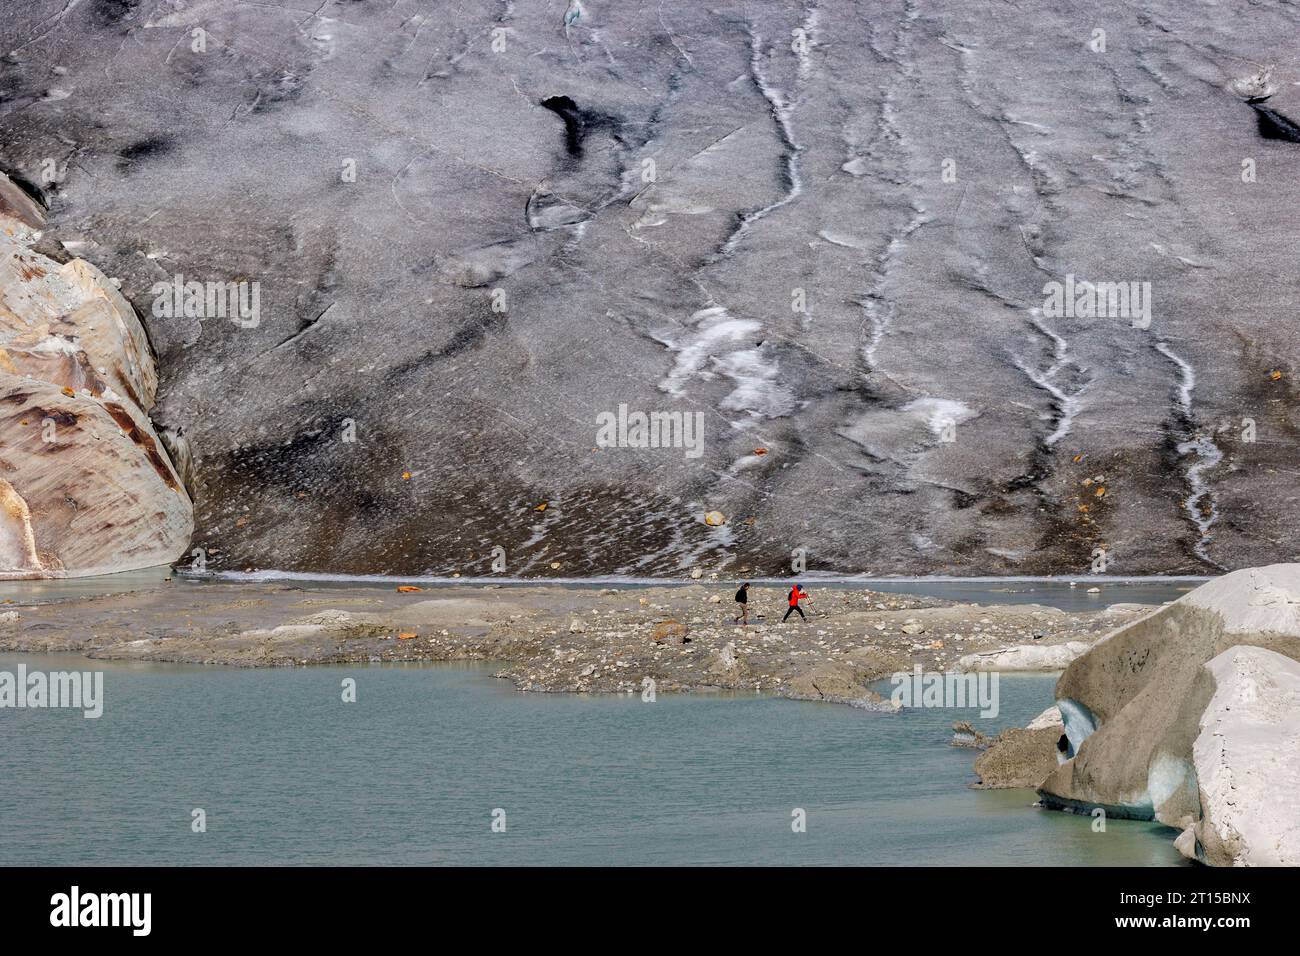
point(939, 413)
point(707, 352)
point(780, 107)
point(1201, 505)
point(1067, 405)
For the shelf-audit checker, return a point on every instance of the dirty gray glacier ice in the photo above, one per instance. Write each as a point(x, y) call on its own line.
point(827, 228)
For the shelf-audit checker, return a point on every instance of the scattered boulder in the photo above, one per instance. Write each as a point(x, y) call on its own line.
point(333, 625)
point(669, 632)
point(1026, 657)
point(1048, 718)
point(726, 667)
point(838, 681)
point(1121, 609)
point(1021, 757)
point(1185, 843)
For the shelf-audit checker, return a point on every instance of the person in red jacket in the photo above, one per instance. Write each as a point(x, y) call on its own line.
point(796, 595)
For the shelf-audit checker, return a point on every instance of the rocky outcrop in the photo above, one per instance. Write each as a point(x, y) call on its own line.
point(1178, 716)
point(845, 680)
point(86, 487)
point(965, 734)
point(1021, 757)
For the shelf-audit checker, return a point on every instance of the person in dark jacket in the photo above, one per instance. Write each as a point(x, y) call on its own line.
point(742, 598)
point(796, 595)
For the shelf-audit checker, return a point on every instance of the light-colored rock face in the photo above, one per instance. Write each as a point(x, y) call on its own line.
point(85, 485)
point(1149, 711)
point(1050, 718)
point(1247, 760)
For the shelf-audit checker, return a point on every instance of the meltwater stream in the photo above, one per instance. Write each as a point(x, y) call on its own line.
point(287, 773)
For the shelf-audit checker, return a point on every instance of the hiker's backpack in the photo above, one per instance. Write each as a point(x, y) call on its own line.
point(740, 595)
point(790, 596)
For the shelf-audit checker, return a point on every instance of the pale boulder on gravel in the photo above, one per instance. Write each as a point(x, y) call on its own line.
point(1027, 657)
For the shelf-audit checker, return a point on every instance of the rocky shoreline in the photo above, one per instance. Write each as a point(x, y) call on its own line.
point(559, 639)
point(1178, 713)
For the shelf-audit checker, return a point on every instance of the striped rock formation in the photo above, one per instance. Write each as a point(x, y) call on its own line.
point(86, 487)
